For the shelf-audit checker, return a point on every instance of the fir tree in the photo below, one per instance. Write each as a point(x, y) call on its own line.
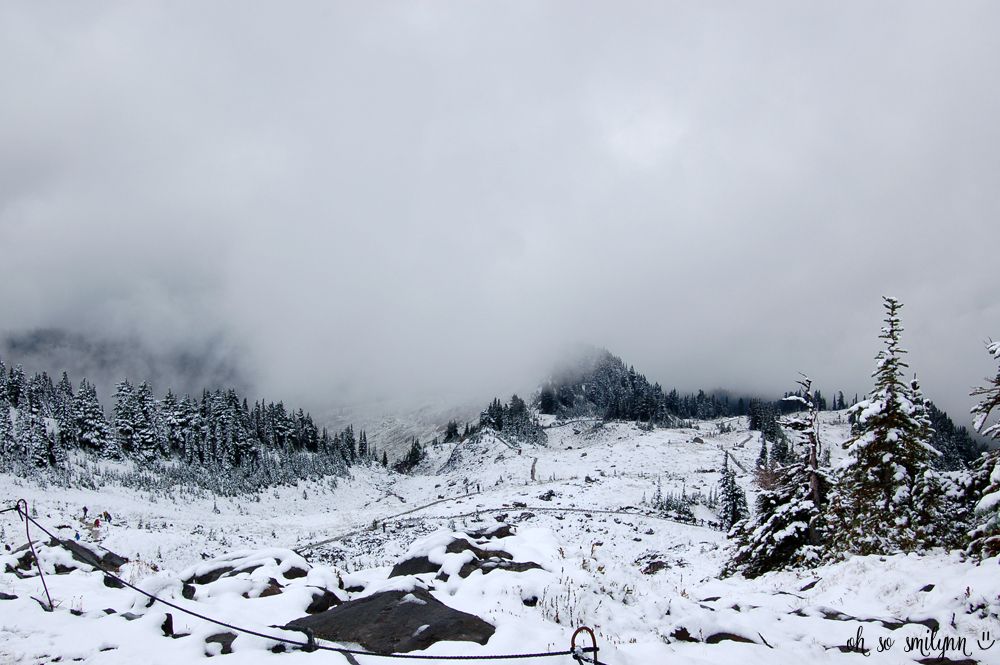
point(17, 386)
point(6, 427)
point(874, 509)
point(125, 417)
point(762, 455)
point(64, 412)
point(147, 427)
point(93, 431)
point(788, 527)
point(732, 498)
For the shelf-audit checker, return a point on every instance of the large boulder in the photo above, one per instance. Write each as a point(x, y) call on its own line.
point(65, 556)
point(414, 566)
point(446, 553)
point(267, 563)
point(95, 556)
point(395, 622)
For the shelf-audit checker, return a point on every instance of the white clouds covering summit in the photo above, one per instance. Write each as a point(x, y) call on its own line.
point(414, 197)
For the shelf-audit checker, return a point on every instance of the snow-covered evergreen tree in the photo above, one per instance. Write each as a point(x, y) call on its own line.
point(125, 417)
point(985, 536)
point(762, 455)
point(64, 412)
point(17, 386)
point(873, 509)
point(787, 529)
point(732, 499)
point(93, 430)
point(6, 427)
point(148, 432)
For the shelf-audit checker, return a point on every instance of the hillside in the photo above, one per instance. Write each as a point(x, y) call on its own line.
point(649, 586)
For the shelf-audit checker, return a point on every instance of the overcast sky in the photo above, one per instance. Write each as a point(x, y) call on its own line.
point(415, 198)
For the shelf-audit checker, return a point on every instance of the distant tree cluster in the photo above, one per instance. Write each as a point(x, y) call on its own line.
point(514, 420)
point(680, 505)
point(42, 422)
point(603, 386)
point(412, 458)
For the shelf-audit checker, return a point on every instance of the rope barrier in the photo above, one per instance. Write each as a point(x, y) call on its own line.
point(22, 511)
point(310, 644)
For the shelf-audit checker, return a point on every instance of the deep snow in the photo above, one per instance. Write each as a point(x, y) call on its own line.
point(593, 562)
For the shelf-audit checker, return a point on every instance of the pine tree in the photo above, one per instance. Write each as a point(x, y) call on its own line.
point(6, 427)
point(762, 455)
point(125, 417)
point(64, 412)
point(788, 527)
point(874, 509)
point(17, 386)
point(732, 498)
point(93, 431)
point(985, 536)
point(147, 433)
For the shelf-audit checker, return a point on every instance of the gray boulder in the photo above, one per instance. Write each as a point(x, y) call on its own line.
point(395, 622)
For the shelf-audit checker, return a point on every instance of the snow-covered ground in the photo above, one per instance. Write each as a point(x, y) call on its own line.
point(649, 587)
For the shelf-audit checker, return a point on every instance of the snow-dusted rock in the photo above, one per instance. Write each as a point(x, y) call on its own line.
point(396, 622)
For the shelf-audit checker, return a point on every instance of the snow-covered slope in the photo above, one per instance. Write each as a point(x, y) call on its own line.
point(649, 586)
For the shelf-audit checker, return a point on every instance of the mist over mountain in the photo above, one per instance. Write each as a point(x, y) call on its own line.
point(364, 204)
point(106, 361)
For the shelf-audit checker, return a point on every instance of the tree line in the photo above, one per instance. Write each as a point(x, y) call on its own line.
point(43, 422)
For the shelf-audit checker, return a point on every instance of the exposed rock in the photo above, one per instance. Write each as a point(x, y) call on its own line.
point(112, 583)
point(682, 634)
point(890, 624)
point(209, 576)
point(168, 625)
point(226, 639)
point(415, 566)
point(421, 564)
point(272, 589)
point(395, 622)
point(285, 563)
point(496, 563)
point(494, 531)
point(654, 567)
point(724, 637)
point(322, 600)
point(91, 555)
point(462, 545)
